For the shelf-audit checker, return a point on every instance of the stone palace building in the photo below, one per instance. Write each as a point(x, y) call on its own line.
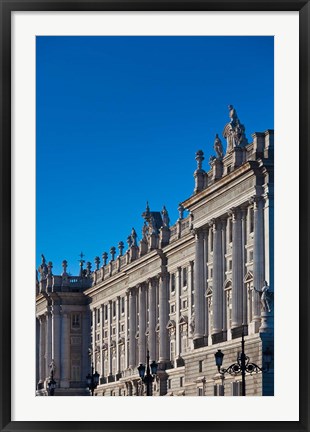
point(181, 293)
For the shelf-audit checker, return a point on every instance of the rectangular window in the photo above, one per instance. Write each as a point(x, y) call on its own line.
point(230, 230)
point(251, 220)
point(218, 390)
point(122, 327)
point(172, 308)
point(105, 312)
point(184, 304)
point(75, 321)
point(106, 333)
point(200, 391)
point(123, 305)
point(181, 381)
point(200, 366)
point(172, 282)
point(169, 384)
point(114, 309)
point(184, 277)
point(113, 330)
point(236, 388)
point(98, 316)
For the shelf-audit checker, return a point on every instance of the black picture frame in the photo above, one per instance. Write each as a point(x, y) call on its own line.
point(6, 8)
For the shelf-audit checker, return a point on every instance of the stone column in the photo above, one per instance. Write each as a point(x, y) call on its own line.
point(152, 318)
point(48, 350)
point(85, 343)
point(190, 289)
point(93, 334)
point(42, 349)
point(109, 337)
point(132, 328)
point(206, 275)
point(237, 268)
point(117, 334)
point(126, 363)
point(101, 371)
point(199, 294)
point(258, 256)
point(245, 294)
point(65, 350)
point(163, 317)
point(37, 350)
point(217, 278)
point(142, 324)
point(178, 289)
point(56, 340)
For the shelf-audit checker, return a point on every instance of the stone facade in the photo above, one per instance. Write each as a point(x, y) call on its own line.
point(181, 293)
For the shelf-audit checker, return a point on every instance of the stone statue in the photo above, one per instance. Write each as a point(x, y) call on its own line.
point(265, 297)
point(52, 367)
point(129, 241)
point(134, 237)
point(165, 217)
point(234, 131)
point(232, 115)
point(145, 231)
point(152, 225)
point(181, 211)
point(218, 147)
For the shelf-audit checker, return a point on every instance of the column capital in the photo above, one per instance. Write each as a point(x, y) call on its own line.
point(235, 213)
point(163, 275)
point(256, 200)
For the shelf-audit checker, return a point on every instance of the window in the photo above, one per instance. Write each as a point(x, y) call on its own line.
point(200, 366)
point(181, 381)
point(236, 388)
point(211, 239)
point(184, 303)
point(251, 216)
point(172, 308)
point(218, 390)
point(169, 384)
point(184, 277)
point(106, 333)
point(75, 321)
point(211, 272)
point(122, 327)
point(200, 391)
point(106, 312)
point(113, 330)
point(114, 309)
point(230, 230)
point(123, 305)
point(75, 370)
point(172, 282)
point(230, 264)
point(98, 316)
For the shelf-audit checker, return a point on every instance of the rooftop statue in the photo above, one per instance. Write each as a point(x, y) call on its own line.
point(165, 217)
point(218, 147)
point(134, 237)
point(234, 131)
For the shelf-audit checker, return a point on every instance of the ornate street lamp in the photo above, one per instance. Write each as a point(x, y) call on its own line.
point(92, 380)
point(147, 373)
point(51, 384)
point(243, 364)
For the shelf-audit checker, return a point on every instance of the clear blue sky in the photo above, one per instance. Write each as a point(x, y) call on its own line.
point(119, 120)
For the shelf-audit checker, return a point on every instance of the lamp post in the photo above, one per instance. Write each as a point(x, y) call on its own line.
point(51, 384)
point(147, 373)
point(243, 364)
point(92, 380)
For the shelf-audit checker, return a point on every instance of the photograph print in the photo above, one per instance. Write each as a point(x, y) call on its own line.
point(154, 216)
